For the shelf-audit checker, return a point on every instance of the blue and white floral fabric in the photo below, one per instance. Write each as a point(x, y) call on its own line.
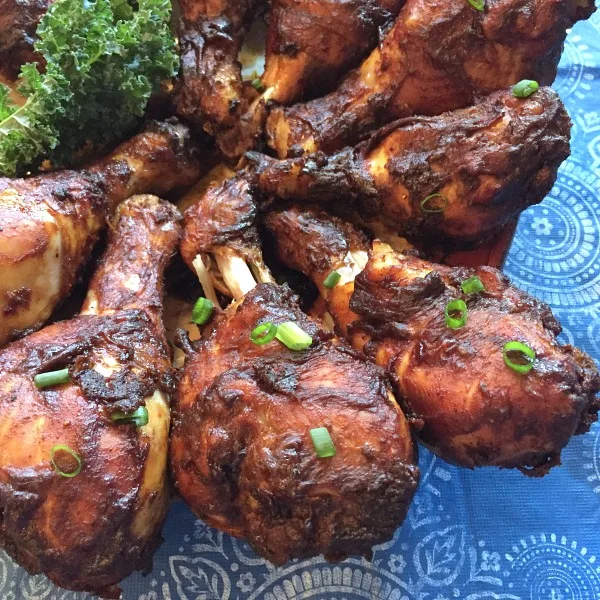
point(484, 535)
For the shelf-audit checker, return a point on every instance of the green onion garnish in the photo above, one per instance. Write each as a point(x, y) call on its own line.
point(456, 314)
point(518, 356)
point(472, 285)
point(257, 85)
point(61, 448)
point(138, 417)
point(44, 380)
point(202, 311)
point(292, 336)
point(322, 442)
point(477, 4)
point(431, 204)
point(263, 334)
point(332, 279)
point(525, 88)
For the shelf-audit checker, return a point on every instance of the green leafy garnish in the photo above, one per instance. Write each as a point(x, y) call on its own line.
point(7, 107)
point(104, 59)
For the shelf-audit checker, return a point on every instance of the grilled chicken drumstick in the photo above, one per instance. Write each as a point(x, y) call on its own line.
point(440, 55)
point(241, 449)
point(83, 489)
point(406, 314)
point(49, 223)
point(18, 23)
point(210, 90)
point(311, 43)
point(461, 175)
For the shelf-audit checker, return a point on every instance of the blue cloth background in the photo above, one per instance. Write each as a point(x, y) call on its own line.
point(484, 535)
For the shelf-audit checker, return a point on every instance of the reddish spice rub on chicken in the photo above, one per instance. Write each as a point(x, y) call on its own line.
point(210, 91)
point(18, 23)
point(49, 223)
point(83, 490)
point(312, 43)
point(440, 55)
point(242, 453)
point(475, 409)
point(457, 177)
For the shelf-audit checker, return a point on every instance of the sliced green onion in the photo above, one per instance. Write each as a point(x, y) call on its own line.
point(431, 205)
point(292, 336)
point(202, 311)
point(525, 88)
point(67, 450)
point(472, 285)
point(257, 85)
point(322, 442)
point(263, 334)
point(138, 417)
point(456, 314)
point(518, 356)
point(477, 4)
point(43, 380)
point(332, 279)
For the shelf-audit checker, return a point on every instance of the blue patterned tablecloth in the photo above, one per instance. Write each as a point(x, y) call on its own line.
point(483, 535)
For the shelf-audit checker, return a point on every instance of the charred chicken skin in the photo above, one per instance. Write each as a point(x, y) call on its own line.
point(18, 23)
point(220, 240)
point(474, 409)
point(83, 491)
point(210, 91)
point(241, 449)
point(49, 223)
point(438, 56)
point(460, 176)
point(312, 43)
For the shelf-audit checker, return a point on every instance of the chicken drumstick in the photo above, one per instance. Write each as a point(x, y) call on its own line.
point(459, 176)
point(210, 90)
point(241, 449)
point(454, 376)
point(440, 55)
point(83, 490)
point(18, 23)
point(49, 223)
point(311, 43)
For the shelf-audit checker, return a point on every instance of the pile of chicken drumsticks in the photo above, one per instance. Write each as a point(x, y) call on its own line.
point(374, 119)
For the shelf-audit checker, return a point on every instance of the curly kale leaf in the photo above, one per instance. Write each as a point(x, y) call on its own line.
point(7, 106)
point(104, 59)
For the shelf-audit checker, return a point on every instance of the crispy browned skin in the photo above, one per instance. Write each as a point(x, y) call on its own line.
point(241, 452)
point(439, 56)
point(224, 217)
point(210, 90)
point(90, 531)
point(211, 33)
point(475, 410)
point(49, 223)
point(489, 162)
point(18, 22)
point(312, 43)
